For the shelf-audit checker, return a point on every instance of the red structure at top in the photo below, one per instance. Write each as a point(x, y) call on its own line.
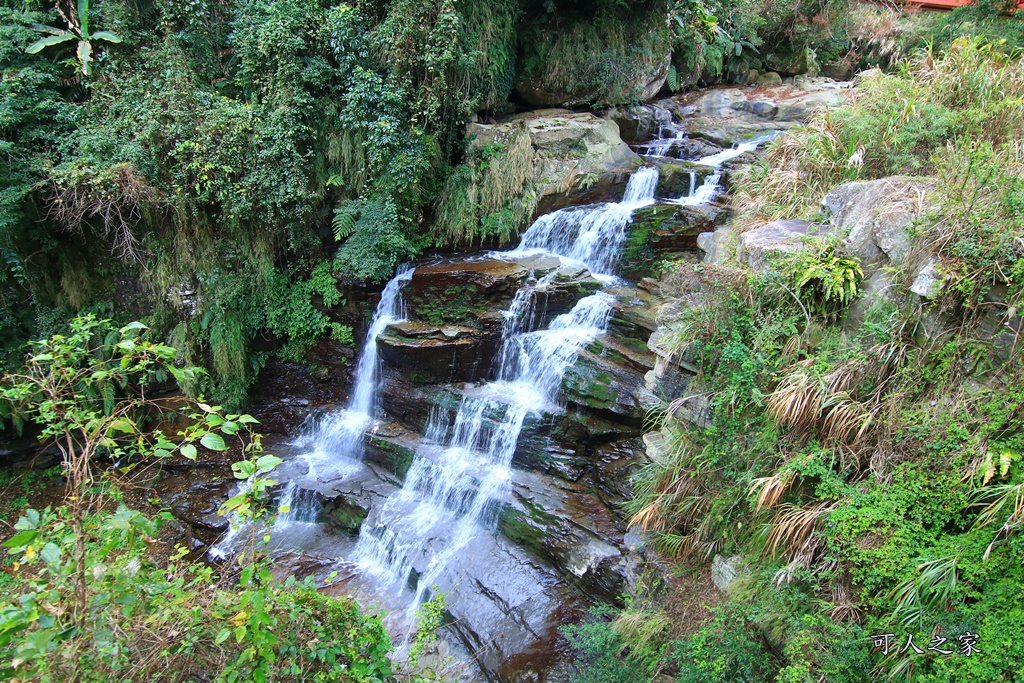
point(945, 5)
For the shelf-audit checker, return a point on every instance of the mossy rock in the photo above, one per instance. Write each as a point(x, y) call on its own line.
point(664, 229)
point(343, 517)
point(394, 454)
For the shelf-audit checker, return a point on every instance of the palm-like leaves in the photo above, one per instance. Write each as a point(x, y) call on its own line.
point(79, 32)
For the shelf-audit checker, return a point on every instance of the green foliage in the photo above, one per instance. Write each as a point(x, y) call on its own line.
point(377, 243)
point(595, 57)
point(88, 602)
point(490, 197)
point(829, 280)
point(599, 653)
point(78, 29)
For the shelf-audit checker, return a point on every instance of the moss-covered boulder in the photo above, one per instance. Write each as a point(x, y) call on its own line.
point(663, 230)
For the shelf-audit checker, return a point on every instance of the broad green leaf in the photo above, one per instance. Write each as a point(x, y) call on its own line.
point(50, 554)
point(189, 451)
point(229, 428)
point(85, 56)
point(122, 425)
point(248, 419)
point(21, 538)
point(215, 442)
point(224, 634)
point(265, 463)
point(49, 40)
point(243, 469)
point(135, 324)
point(110, 38)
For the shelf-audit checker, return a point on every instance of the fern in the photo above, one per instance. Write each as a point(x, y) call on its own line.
point(345, 215)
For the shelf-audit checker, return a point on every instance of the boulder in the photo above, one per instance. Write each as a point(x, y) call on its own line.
point(660, 230)
point(725, 570)
point(928, 283)
point(721, 102)
point(769, 78)
point(757, 247)
point(873, 217)
point(577, 157)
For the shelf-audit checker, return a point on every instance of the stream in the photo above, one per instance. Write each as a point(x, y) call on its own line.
point(448, 495)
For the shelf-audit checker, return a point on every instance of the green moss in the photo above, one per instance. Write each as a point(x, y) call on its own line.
point(526, 528)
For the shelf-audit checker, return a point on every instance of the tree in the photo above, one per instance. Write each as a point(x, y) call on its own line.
point(78, 29)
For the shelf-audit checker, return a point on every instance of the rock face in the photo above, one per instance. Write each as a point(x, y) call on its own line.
point(542, 92)
point(731, 115)
point(578, 157)
point(757, 247)
point(873, 217)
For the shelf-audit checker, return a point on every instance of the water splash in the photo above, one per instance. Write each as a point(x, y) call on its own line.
point(335, 440)
point(712, 185)
point(592, 235)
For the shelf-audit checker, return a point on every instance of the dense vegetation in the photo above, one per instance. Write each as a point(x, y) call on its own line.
point(867, 475)
point(224, 169)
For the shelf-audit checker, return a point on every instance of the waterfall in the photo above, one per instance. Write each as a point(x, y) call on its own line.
point(336, 439)
point(389, 310)
point(592, 235)
point(711, 187)
point(462, 469)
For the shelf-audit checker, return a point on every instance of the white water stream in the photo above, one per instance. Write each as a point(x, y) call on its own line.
point(461, 471)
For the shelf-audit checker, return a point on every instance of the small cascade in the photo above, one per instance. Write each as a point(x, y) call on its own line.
point(711, 187)
point(462, 468)
point(457, 478)
point(592, 235)
point(336, 438)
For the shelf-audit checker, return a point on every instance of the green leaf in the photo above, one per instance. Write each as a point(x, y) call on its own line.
point(135, 324)
point(248, 419)
point(265, 463)
point(22, 538)
point(49, 40)
point(240, 633)
point(50, 554)
point(224, 634)
point(215, 442)
point(189, 451)
point(110, 38)
point(229, 428)
point(243, 469)
point(85, 56)
point(122, 425)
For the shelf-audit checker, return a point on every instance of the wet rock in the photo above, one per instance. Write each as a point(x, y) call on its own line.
point(568, 527)
point(392, 447)
point(678, 178)
point(458, 291)
point(196, 502)
point(639, 124)
point(657, 231)
point(438, 354)
point(605, 387)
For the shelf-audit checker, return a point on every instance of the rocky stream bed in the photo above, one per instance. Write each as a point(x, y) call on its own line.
point(446, 477)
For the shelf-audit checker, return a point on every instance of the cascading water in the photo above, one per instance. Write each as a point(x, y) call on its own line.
point(336, 441)
point(592, 235)
point(712, 183)
point(461, 471)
